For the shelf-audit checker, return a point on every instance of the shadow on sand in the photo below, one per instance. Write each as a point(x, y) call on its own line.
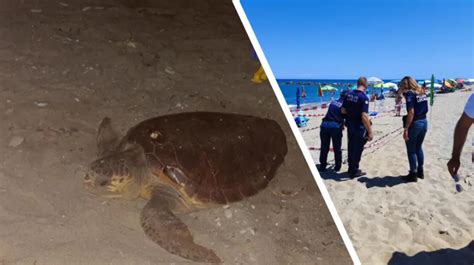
point(447, 256)
point(380, 182)
point(330, 174)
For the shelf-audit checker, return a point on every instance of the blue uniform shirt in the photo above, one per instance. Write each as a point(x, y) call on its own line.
point(333, 118)
point(418, 102)
point(355, 104)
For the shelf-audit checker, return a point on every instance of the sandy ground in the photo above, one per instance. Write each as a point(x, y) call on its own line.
point(384, 215)
point(65, 65)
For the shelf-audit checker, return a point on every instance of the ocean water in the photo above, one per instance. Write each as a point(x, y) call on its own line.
point(289, 87)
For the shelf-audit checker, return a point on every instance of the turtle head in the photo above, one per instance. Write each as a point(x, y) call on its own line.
point(119, 171)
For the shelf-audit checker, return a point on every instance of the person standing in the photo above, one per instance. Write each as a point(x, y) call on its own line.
point(331, 130)
point(398, 103)
point(425, 87)
point(381, 100)
point(460, 135)
point(359, 128)
point(415, 126)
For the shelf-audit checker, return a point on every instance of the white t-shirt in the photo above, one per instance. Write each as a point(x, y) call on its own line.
point(469, 108)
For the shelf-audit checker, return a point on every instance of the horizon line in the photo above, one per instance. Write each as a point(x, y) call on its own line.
point(313, 78)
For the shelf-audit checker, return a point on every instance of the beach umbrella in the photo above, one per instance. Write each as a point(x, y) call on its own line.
point(386, 85)
point(449, 84)
point(436, 81)
point(390, 85)
point(374, 80)
point(432, 91)
point(453, 82)
point(320, 91)
point(328, 88)
point(436, 85)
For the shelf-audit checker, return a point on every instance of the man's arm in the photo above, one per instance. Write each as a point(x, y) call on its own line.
point(366, 119)
point(460, 135)
point(367, 125)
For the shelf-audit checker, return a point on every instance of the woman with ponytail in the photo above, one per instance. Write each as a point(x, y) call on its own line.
point(415, 126)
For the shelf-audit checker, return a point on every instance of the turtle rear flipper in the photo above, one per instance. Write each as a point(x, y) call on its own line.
point(168, 231)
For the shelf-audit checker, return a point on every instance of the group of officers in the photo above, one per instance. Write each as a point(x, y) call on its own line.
point(351, 110)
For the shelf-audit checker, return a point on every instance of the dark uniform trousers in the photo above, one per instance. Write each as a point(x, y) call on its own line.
point(357, 138)
point(327, 135)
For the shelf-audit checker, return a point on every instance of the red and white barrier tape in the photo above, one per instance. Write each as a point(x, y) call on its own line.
point(375, 143)
point(309, 115)
point(323, 106)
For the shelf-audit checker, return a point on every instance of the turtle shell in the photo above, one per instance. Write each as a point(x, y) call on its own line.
point(215, 157)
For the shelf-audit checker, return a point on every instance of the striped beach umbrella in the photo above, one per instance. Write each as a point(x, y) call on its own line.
point(328, 88)
point(374, 80)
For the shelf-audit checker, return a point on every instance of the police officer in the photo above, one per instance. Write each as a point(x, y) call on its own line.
point(331, 129)
point(359, 128)
point(415, 126)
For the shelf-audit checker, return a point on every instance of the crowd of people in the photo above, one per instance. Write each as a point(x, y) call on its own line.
point(351, 111)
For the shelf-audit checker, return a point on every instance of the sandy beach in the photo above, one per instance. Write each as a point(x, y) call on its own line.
point(384, 215)
point(66, 65)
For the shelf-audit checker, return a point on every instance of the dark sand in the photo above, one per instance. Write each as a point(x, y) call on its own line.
point(64, 65)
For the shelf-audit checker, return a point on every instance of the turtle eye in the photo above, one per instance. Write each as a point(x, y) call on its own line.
point(103, 183)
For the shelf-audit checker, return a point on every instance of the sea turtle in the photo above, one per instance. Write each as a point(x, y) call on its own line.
point(185, 162)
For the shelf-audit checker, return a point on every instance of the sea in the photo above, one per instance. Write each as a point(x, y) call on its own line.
point(289, 88)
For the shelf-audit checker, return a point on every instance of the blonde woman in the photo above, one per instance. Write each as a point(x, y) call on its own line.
point(415, 126)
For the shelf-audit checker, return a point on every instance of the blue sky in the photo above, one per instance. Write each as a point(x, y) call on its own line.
point(332, 39)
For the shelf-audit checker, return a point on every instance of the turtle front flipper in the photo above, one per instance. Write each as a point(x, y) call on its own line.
point(168, 231)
